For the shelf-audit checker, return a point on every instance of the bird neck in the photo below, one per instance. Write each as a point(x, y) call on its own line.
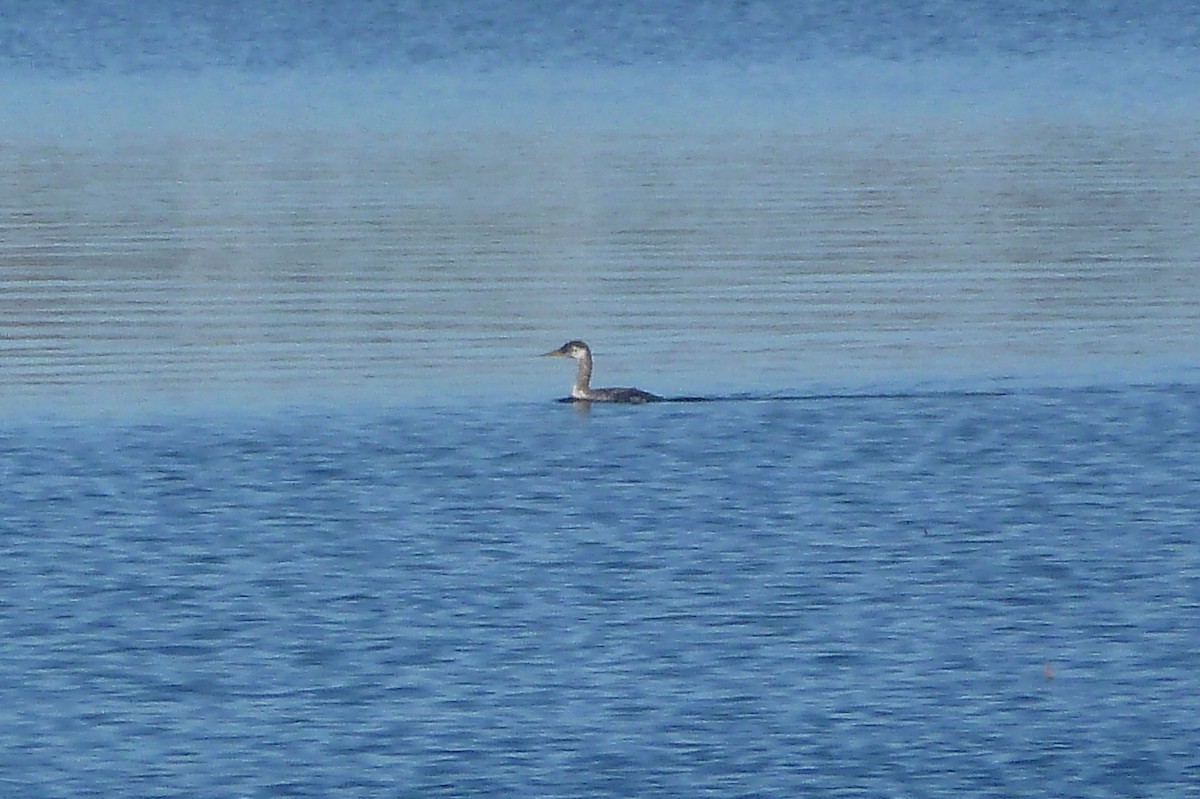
point(583, 377)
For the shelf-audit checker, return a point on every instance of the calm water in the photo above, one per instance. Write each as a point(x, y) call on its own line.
point(286, 509)
point(317, 266)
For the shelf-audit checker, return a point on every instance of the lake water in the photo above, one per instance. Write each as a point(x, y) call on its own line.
point(286, 507)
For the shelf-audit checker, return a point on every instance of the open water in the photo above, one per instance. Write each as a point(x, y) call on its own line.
point(287, 507)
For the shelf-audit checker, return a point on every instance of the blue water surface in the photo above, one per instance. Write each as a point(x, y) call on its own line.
point(279, 515)
point(986, 594)
point(257, 35)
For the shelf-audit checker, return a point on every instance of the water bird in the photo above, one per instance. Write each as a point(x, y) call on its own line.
point(583, 376)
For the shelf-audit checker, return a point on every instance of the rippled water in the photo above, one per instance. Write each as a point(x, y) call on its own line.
point(989, 594)
point(286, 507)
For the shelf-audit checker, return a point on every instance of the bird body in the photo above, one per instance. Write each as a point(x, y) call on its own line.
point(582, 390)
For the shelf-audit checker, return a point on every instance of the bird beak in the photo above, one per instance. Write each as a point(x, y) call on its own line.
point(552, 353)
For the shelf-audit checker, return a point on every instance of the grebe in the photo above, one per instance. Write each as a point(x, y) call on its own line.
point(583, 375)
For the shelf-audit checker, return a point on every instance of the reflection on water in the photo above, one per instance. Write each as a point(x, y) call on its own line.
point(364, 266)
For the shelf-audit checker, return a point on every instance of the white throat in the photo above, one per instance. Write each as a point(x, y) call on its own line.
point(583, 376)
